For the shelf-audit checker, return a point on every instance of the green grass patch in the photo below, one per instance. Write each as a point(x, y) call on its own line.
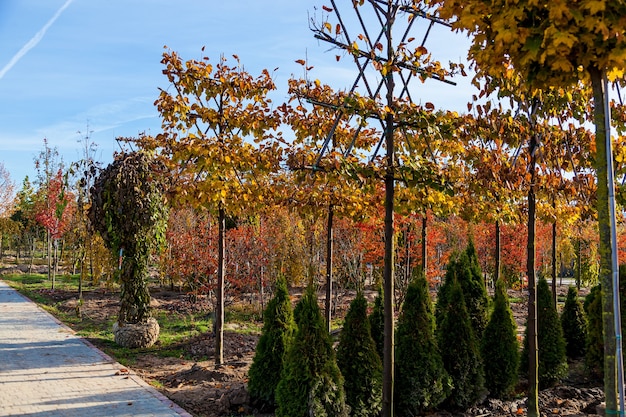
point(175, 327)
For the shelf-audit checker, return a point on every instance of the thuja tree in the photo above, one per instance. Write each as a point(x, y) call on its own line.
point(550, 340)
point(359, 362)
point(465, 270)
point(130, 213)
point(267, 365)
point(574, 324)
point(474, 290)
point(500, 347)
point(377, 322)
point(421, 379)
point(461, 356)
point(311, 383)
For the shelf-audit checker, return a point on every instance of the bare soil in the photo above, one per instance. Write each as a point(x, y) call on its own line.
point(197, 385)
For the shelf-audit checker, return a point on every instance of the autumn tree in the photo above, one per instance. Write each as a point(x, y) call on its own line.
point(84, 172)
point(25, 216)
point(7, 192)
point(54, 208)
point(129, 212)
point(217, 125)
point(557, 44)
point(48, 164)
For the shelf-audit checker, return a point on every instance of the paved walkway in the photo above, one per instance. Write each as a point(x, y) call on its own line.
point(45, 370)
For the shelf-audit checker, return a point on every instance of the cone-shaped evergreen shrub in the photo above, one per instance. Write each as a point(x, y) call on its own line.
point(421, 379)
point(461, 355)
point(474, 291)
point(278, 328)
point(377, 323)
point(574, 324)
point(594, 346)
point(550, 340)
point(359, 362)
point(500, 348)
point(465, 269)
point(311, 383)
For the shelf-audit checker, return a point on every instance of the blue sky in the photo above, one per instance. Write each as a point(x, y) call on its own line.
point(69, 66)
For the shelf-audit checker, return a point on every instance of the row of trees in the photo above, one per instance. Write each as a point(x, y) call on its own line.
point(293, 359)
point(223, 145)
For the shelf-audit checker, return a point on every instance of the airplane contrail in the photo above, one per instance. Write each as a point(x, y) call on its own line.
point(34, 41)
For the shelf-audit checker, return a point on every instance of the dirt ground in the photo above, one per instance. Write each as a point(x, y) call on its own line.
point(204, 390)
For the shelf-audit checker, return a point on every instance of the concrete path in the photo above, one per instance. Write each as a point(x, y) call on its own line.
point(45, 370)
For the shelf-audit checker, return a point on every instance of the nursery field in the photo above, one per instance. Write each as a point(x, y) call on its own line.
point(181, 364)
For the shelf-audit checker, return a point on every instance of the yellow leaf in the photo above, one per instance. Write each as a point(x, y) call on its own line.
point(227, 159)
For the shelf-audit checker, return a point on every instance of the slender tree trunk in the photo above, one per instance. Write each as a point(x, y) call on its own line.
point(219, 309)
point(605, 248)
point(554, 299)
point(497, 254)
point(32, 255)
point(329, 267)
point(49, 250)
point(388, 272)
point(533, 348)
point(425, 244)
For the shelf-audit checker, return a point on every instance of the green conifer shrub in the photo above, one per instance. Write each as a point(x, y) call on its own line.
point(574, 324)
point(422, 382)
point(461, 355)
point(465, 269)
point(311, 383)
point(500, 348)
point(474, 291)
point(359, 362)
point(377, 323)
point(551, 343)
point(278, 329)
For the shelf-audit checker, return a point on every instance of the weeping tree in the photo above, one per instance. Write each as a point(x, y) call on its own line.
point(130, 213)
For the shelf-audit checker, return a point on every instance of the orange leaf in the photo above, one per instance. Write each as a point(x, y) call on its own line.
point(301, 61)
point(328, 9)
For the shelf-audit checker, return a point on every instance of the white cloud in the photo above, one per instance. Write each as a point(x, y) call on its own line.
point(34, 40)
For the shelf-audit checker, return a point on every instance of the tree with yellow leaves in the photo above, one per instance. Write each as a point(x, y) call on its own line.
point(220, 141)
point(556, 44)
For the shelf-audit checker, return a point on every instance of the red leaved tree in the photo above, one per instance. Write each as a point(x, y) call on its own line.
point(54, 208)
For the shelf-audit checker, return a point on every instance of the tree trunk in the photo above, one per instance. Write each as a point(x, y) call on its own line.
point(605, 247)
point(329, 267)
point(425, 245)
point(554, 299)
point(533, 348)
point(219, 308)
point(497, 268)
point(49, 250)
